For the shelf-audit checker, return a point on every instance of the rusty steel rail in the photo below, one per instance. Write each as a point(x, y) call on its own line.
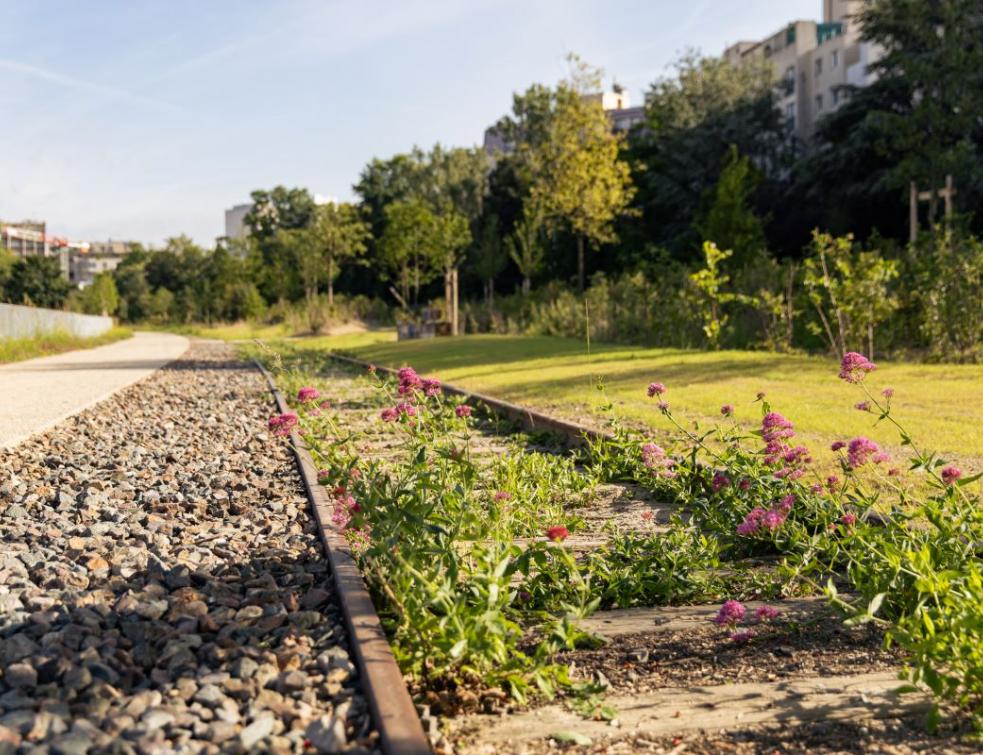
point(392, 708)
point(530, 420)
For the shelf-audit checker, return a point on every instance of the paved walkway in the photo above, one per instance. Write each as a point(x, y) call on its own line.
point(38, 393)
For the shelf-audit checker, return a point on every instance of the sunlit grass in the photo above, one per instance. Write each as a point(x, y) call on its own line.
point(940, 404)
point(18, 349)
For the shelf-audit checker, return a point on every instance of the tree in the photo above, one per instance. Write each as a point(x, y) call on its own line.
point(525, 245)
point(933, 49)
point(710, 282)
point(279, 209)
point(692, 118)
point(101, 297)
point(337, 235)
point(489, 256)
point(728, 220)
point(579, 179)
point(37, 281)
point(131, 282)
point(406, 246)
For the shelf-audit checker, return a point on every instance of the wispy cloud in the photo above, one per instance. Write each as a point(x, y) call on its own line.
point(70, 82)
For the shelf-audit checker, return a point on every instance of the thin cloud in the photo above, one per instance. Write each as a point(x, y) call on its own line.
point(70, 82)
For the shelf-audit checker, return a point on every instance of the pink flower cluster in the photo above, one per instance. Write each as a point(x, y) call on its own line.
point(775, 431)
point(344, 507)
point(760, 520)
point(733, 612)
point(862, 450)
point(854, 367)
point(409, 381)
point(282, 424)
point(654, 457)
point(393, 413)
point(308, 394)
point(719, 482)
point(727, 410)
point(950, 475)
point(557, 533)
point(462, 411)
point(656, 389)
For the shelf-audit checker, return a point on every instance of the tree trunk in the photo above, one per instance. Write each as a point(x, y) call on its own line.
point(526, 284)
point(580, 263)
point(330, 281)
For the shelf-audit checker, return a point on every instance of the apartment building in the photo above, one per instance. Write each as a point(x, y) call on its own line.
point(815, 63)
point(235, 221)
point(88, 260)
point(25, 239)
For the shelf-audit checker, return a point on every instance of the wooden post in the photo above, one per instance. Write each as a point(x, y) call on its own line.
point(455, 330)
point(949, 191)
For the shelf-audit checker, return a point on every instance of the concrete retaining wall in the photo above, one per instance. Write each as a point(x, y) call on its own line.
point(26, 322)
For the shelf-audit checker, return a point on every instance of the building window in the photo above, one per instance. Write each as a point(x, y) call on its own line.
point(819, 66)
point(834, 59)
point(819, 103)
point(790, 80)
point(835, 96)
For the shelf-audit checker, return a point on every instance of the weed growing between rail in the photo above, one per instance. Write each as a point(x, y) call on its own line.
point(437, 531)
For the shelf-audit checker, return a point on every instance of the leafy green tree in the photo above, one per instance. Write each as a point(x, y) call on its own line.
point(579, 178)
point(693, 117)
point(729, 220)
point(280, 209)
point(6, 264)
point(101, 297)
point(710, 282)
point(934, 50)
point(525, 245)
point(489, 256)
point(131, 281)
point(850, 292)
point(337, 236)
point(407, 247)
point(37, 281)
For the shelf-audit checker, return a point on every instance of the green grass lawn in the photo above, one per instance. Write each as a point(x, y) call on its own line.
point(18, 349)
point(942, 405)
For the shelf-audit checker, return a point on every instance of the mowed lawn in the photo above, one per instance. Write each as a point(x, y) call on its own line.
point(942, 405)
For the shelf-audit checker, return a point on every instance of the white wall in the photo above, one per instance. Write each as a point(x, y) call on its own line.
point(17, 321)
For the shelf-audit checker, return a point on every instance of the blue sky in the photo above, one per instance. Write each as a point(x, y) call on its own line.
point(138, 119)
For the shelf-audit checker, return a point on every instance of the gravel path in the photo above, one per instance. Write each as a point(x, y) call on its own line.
point(38, 393)
point(162, 585)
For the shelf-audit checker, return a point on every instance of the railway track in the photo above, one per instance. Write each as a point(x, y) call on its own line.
point(666, 679)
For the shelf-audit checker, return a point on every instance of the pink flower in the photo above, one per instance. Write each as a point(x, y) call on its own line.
point(816, 488)
point(787, 502)
point(389, 415)
point(837, 445)
point(849, 519)
point(950, 474)
point(860, 451)
point(647, 516)
point(462, 411)
point(501, 495)
point(751, 523)
point(766, 613)
point(557, 533)
point(282, 424)
point(431, 386)
point(730, 614)
point(727, 410)
point(832, 482)
point(404, 407)
point(888, 393)
point(854, 367)
point(744, 484)
point(371, 369)
point(719, 482)
point(324, 404)
point(863, 406)
point(880, 458)
point(740, 638)
point(773, 519)
point(664, 407)
point(409, 381)
point(308, 393)
point(656, 389)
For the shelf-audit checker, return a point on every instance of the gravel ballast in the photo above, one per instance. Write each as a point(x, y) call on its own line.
point(162, 584)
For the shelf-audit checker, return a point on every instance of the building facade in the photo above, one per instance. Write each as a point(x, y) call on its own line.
point(235, 221)
point(89, 259)
point(815, 63)
point(25, 239)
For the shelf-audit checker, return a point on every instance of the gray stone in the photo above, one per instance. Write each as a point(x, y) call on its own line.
point(21, 675)
point(257, 731)
point(327, 734)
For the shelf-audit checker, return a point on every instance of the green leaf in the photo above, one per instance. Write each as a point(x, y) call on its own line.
point(571, 737)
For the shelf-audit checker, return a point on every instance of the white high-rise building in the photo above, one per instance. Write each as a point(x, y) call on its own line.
point(814, 63)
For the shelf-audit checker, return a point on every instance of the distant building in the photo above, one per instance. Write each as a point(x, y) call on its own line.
point(814, 63)
point(25, 239)
point(97, 257)
point(235, 221)
point(615, 103)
